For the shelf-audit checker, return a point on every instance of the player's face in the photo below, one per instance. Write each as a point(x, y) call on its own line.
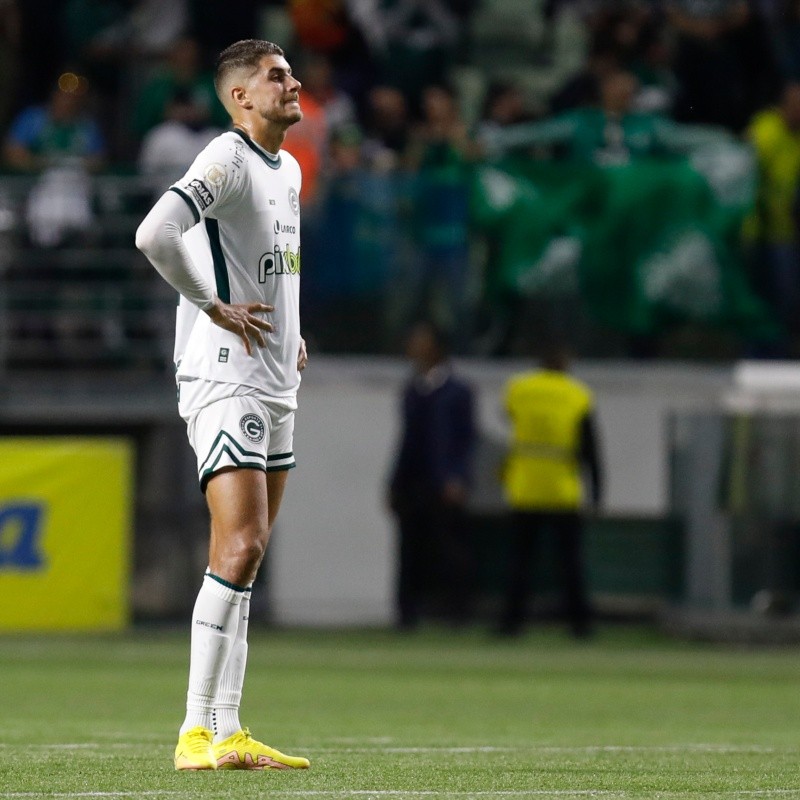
point(274, 91)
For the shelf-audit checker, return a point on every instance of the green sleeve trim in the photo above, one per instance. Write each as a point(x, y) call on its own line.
point(276, 456)
point(195, 212)
point(218, 257)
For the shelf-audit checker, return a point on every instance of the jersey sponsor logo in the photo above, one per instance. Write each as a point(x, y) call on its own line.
point(223, 355)
point(201, 192)
point(215, 174)
point(21, 529)
point(252, 426)
point(279, 262)
point(280, 227)
point(294, 201)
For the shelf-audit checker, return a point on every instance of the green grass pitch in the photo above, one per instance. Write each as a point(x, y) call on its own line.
point(440, 714)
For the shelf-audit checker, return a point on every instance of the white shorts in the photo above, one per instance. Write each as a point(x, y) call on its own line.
point(236, 426)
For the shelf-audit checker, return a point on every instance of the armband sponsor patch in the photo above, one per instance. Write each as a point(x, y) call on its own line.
point(201, 193)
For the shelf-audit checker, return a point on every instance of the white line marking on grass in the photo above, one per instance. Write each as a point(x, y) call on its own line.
point(432, 793)
point(599, 748)
point(521, 793)
point(556, 793)
point(722, 749)
point(78, 745)
point(154, 793)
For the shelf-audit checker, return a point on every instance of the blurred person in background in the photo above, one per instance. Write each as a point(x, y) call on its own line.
point(353, 241)
point(308, 143)
point(10, 47)
point(94, 36)
point(181, 71)
point(339, 31)
point(503, 104)
point(115, 43)
point(622, 36)
point(653, 66)
point(610, 134)
point(61, 142)
point(775, 137)
point(724, 64)
point(429, 483)
point(553, 440)
point(784, 23)
point(439, 154)
point(583, 88)
point(387, 128)
point(319, 82)
point(412, 42)
point(61, 131)
point(170, 147)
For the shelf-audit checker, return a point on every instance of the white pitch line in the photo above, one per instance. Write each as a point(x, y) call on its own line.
point(722, 749)
point(81, 745)
point(467, 795)
point(690, 748)
point(154, 793)
point(622, 793)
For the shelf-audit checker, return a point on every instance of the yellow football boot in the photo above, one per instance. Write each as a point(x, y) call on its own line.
point(242, 751)
point(195, 750)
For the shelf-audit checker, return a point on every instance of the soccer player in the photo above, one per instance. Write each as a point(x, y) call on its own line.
point(226, 237)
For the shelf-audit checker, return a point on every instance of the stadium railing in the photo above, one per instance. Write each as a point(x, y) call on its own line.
point(75, 291)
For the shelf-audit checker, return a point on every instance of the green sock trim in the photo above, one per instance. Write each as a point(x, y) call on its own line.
point(227, 584)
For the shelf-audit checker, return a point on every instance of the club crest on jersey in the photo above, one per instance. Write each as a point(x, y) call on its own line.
point(202, 194)
point(294, 201)
point(253, 427)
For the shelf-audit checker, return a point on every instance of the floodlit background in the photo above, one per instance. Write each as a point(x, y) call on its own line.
point(617, 175)
point(465, 160)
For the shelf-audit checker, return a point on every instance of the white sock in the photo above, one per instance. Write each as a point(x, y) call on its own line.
point(229, 692)
point(214, 624)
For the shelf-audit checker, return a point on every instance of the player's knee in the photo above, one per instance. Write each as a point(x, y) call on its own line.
point(249, 548)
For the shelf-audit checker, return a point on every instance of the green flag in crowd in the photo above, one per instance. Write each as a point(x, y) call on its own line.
point(645, 243)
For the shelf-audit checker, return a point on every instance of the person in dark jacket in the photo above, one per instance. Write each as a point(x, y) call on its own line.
point(430, 481)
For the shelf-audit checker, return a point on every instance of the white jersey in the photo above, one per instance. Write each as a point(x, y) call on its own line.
point(247, 245)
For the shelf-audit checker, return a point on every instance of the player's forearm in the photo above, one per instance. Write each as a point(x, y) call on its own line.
point(160, 238)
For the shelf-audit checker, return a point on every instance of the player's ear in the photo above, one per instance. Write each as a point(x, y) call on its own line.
point(240, 97)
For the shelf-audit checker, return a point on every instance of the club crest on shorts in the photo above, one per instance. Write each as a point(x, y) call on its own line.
point(252, 427)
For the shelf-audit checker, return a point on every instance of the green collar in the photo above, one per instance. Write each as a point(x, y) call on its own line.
point(272, 161)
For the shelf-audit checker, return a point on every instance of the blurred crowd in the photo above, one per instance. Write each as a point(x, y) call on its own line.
point(401, 98)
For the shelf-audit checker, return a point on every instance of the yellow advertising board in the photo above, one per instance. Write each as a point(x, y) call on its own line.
point(65, 522)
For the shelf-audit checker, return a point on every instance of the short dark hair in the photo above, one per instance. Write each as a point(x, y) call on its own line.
point(554, 354)
point(245, 53)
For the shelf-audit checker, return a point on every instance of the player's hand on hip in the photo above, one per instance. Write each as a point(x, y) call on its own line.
point(302, 356)
point(241, 319)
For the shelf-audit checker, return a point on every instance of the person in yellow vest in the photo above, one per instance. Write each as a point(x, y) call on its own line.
point(553, 441)
point(772, 227)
